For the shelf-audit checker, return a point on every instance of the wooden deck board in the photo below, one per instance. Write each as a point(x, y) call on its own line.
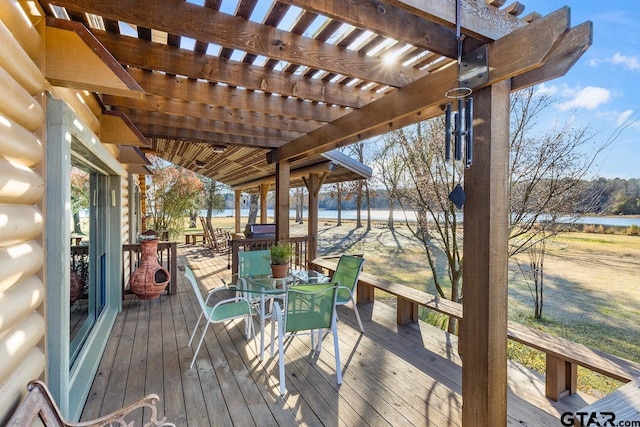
point(116, 387)
point(203, 394)
point(135, 383)
point(93, 405)
point(392, 374)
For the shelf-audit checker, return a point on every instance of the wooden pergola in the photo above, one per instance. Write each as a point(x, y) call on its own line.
point(262, 93)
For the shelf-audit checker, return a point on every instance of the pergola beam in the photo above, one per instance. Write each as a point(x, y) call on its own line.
point(213, 138)
point(570, 48)
point(206, 93)
point(324, 167)
point(387, 20)
point(145, 54)
point(478, 19)
point(506, 60)
point(204, 125)
point(177, 107)
point(234, 32)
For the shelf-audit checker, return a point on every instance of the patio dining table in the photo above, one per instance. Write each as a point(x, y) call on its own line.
point(261, 289)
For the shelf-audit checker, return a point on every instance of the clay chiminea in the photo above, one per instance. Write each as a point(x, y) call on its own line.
point(150, 279)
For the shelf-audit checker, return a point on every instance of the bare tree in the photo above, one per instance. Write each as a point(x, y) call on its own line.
point(298, 203)
point(534, 275)
point(547, 172)
point(422, 181)
point(547, 177)
point(254, 199)
point(213, 198)
point(388, 161)
point(361, 185)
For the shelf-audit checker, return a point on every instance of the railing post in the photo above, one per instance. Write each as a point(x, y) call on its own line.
point(561, 378)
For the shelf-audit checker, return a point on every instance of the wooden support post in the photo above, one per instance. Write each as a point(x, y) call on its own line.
point(406, 311)
point(313, 183)
point(264, 192)
point(237, 200)
point(282, 201)
point(484, 335)
point(365, 293)
point(143, 202)
point(561, 378)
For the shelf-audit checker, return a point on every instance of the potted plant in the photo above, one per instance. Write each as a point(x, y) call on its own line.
point(280, 255)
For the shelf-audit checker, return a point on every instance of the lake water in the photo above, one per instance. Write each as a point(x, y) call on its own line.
point(383, 215)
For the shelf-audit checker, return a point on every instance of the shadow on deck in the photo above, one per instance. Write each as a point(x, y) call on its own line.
point(393, 375)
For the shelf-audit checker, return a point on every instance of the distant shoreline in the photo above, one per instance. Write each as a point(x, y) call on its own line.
point(399, 217)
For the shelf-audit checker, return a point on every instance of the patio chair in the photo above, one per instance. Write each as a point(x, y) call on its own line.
point(309, 308)
point(208, 238)
point(223, 311)
point(346, 274)
point(253, 264)
point(256, 264)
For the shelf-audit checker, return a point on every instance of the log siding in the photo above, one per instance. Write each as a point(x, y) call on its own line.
point(22, 288)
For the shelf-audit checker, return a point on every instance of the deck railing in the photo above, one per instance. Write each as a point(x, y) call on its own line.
point(299, 258)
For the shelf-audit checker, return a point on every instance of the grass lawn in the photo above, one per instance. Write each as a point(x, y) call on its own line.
point(591, 296)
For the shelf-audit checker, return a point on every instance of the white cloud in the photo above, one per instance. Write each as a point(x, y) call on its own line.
point(623, 117)
point(588, 98)
point(545, 89)
point(628, 62)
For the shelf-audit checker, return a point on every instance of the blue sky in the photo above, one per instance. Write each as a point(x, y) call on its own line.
point(602, 89)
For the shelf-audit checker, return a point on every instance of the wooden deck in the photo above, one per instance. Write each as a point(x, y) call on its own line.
point(393, 375)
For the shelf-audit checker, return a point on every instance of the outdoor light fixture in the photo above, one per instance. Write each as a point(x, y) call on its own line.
point(200, 164)
point(219, 148)
point(463, 117)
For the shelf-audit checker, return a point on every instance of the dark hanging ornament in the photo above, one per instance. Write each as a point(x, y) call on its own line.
point(458, 196)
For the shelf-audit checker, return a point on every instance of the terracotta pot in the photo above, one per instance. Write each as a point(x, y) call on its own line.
point(150, 279)
point(279, 271)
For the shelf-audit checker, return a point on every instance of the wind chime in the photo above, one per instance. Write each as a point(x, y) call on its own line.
point(462, 130)
point(462, 121)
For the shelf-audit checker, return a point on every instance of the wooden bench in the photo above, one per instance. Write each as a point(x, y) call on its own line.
point(623, 405)
point(39, 405)
point(562, 356)
point(191, 237)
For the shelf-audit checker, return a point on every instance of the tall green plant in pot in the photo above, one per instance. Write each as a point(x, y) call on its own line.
point(280, 256)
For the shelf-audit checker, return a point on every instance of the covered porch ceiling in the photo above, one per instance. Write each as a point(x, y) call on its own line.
point(229, 88)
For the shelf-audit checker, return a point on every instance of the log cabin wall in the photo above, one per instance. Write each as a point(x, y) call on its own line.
point(24, 330)
point(22, 282)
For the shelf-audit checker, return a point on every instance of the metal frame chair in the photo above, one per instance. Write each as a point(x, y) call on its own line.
point(307, 308)
point(346, 274)
point(223, 311)
point(254, 263)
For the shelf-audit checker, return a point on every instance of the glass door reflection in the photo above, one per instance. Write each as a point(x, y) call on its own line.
point(80, 237)
point(89, 206)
